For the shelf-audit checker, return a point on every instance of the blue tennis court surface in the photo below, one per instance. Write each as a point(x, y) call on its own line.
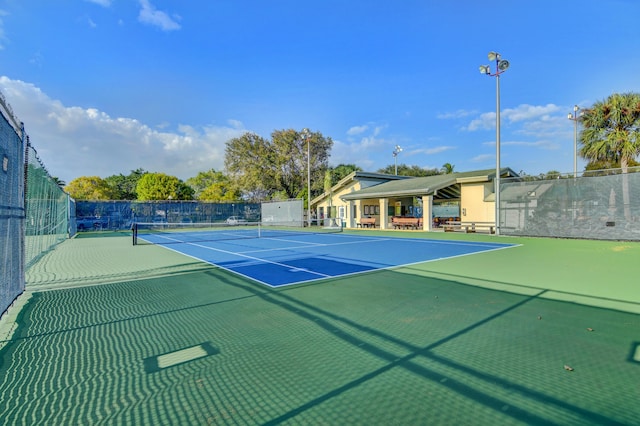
point(293, 259)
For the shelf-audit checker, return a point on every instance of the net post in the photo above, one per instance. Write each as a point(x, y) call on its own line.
point(134, 233)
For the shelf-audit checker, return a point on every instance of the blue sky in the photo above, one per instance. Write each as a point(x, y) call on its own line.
point(108, 86)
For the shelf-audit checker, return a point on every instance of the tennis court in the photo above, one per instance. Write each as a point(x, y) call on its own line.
point(277, 257)
point(111, 333)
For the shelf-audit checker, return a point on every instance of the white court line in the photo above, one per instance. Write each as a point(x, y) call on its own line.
point(365, 240)
point(294, 268)
point(314, 245)
point(393, 267)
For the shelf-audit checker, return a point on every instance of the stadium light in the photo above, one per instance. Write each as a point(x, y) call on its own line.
point(575, 117)
point(305, 135)
point(396, 151)
point(501, 66)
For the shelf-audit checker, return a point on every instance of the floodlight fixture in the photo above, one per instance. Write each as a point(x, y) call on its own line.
point(575, 117)
point(396, 151)
point(305, 136)
point(501, 66)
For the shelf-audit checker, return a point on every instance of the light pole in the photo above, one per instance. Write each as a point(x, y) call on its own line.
point(305, 134)
point(575, 117)
point(501, 66)
point(396, 151)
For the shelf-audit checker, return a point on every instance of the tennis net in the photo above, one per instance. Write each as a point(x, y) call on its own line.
point(173, 233)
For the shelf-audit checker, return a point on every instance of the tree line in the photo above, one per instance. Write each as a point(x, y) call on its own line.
point(258, 169)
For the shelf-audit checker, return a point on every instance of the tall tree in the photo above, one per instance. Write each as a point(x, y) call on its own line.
point(606, 165)
point(249, 164)
point(551, 174)
point(89, 188)
point(328, 184)
point(264, 169)
point(291, 161)
point(342, 170)
point(447, 168)
point(124, 187)
point(159, 186)
point(414, 171)
point(213, 186)
point(611, 132)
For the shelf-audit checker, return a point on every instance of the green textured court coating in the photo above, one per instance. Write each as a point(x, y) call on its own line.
point(108, 333)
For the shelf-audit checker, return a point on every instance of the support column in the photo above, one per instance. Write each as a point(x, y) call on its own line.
point(351, 220)
point(427, 209)
point(384, 213)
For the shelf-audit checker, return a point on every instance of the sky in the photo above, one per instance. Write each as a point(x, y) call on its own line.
point(105, 87)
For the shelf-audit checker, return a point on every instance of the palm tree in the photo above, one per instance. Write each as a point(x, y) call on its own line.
point(58, 181)
point(611, 132)
point(447, 168)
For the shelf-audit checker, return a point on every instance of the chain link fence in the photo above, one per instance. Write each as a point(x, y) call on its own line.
point(11, 207)
point(46, 209)
point(119, 215)
point(603, 205)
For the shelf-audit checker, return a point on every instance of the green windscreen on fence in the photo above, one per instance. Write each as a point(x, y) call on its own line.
point(46, 209)
point(605, 206)
point(120, 215)
point(11, 208)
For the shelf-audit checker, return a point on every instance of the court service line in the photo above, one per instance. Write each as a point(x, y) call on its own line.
point(314, 245)
point(284, 265)
point(491, 245)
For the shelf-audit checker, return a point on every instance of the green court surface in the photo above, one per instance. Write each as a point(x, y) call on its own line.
point(544, 333)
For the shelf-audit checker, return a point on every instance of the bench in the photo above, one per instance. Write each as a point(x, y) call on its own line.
point(469, 227)
point(406, 222)
point(366, 222)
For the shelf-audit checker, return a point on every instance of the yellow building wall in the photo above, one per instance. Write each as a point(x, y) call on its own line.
point(335, 201)
point(472, 204)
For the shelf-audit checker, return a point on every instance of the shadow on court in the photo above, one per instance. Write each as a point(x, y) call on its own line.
point(386, 347)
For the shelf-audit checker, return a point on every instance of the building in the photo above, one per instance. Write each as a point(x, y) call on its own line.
point(467, 196)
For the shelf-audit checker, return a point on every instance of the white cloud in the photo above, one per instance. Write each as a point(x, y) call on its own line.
point(526, 112)
point(482, 158)
point(461, 113)
point(104, 3)
point(150, 15)
point(531, 115)
point(236, 124)
point(545, 144)
point(486, 121)
point(431, 151)
point(75, 141)
point(356, 130)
